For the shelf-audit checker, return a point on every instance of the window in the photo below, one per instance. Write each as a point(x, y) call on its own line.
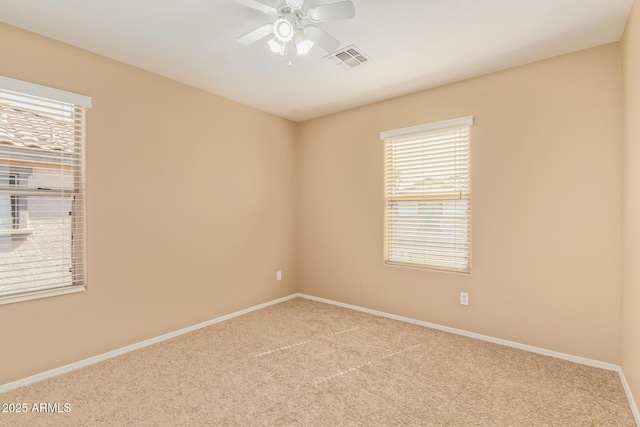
point(13, 212)
point(41, 191)
point(427, 196)
point(6, 202)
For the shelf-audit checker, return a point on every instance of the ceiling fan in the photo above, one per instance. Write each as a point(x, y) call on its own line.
point(294, 26)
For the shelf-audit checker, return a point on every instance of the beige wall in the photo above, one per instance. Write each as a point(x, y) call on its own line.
point(631, 203)
point(546, 206)
point(190, 209)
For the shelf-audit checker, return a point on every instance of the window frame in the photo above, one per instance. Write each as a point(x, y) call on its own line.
point(418, 203)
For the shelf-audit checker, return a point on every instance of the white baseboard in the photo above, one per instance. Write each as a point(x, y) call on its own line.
point(632, 402)
point(99, 358)
point(532, 349)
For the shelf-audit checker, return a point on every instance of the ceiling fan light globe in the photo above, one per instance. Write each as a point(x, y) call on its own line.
point(303, 44)
point(283, 30)
point(275, 45)
point(304, 48)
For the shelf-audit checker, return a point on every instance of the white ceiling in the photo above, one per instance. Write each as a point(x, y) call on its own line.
point(413, 44)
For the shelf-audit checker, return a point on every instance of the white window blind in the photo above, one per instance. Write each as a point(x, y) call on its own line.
point(427, 196)
point(41, 191)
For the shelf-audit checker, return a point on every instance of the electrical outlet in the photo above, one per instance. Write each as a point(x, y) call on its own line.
point(278, 275)
point(464, 298)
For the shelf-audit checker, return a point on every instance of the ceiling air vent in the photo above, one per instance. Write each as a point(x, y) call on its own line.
point(349, 57)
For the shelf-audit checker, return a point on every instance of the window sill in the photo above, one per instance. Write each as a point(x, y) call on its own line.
point(42, 294)
point(21, 233)
point(428, 267)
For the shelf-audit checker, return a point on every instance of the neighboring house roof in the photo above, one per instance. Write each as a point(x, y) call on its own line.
point(30, 130)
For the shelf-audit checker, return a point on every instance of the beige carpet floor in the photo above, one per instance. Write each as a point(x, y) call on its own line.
point(304, 363)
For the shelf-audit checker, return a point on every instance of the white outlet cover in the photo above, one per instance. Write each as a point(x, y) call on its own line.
point(279, 275)
point(464, 298)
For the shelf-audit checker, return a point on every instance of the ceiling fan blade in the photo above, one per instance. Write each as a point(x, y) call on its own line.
point(265, 6)
point(333, 11)
point(258, 34)
point(321, 38)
